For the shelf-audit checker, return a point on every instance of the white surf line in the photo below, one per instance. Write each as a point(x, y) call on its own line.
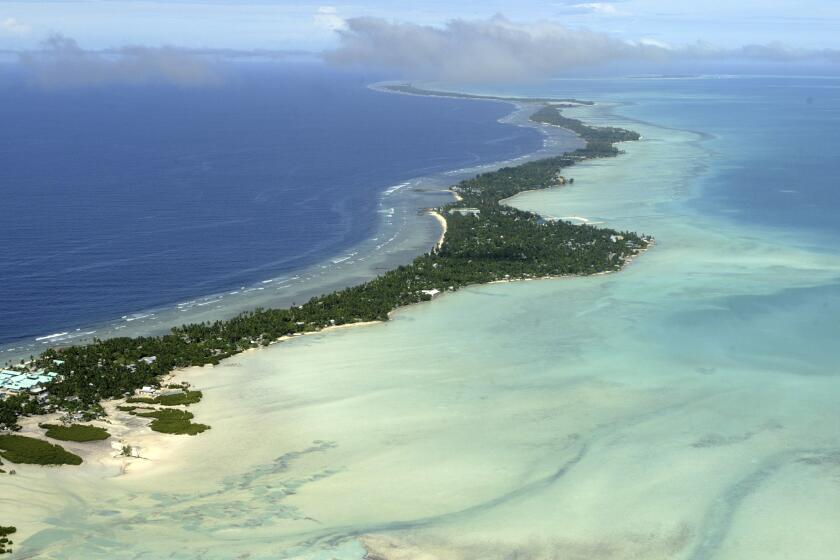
point(51, 336)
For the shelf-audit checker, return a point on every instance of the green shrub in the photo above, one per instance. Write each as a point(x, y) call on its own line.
point(5, 541)
point(22, 449)
point(75, 432)
point(173, 421)
point(175, 399)
point(144, 400)
point(185, 398)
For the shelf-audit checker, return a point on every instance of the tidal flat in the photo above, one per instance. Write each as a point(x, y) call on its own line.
point(683, 408)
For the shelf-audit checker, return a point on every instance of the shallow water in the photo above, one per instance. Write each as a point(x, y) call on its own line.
point(684, 408)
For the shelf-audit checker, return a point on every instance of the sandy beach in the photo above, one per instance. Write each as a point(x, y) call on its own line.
point(150, 450)
point(442, 221)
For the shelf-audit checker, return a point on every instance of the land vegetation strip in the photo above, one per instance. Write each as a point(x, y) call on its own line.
point(485, 241)
point(185, 398)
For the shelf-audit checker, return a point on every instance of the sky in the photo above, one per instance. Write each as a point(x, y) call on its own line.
point(78, 42)
point(299, 25)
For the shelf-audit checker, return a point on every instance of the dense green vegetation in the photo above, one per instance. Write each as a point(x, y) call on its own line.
point(485, 241)
point(143, 400)
point(173, 421)
point(185, 398)
point(22, 449)
point(5, 542)
point(75, 432)
point(173, 399)
point(408, 88)
point(166, 420)
point(14, 406)
point(596, 137)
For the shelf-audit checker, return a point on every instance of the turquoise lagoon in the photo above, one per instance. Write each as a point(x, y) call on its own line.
point(687, 407)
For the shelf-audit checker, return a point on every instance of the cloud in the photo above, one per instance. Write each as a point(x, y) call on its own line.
point(598, 8)
point(326, 17)
point(654, 43)
point(497, 49)
point(14, 27)
point(480, 50)
point(63, 63)
point(770, 52)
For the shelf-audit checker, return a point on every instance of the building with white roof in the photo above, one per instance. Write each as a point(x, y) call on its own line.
point(18, 382)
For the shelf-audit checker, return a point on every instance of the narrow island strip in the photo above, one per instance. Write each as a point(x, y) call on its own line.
point(411, 89)
point(483, 241)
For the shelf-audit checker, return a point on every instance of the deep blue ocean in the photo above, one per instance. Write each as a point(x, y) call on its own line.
point(121, 199)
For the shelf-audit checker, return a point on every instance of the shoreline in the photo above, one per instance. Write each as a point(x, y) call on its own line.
point(156, 449)
point(127, 431)
point(598, 143)
point(366, 258)
point(442, 221)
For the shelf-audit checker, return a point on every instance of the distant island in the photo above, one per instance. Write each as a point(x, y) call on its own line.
point(664, 77)
point(484, 241)
point(412, 90)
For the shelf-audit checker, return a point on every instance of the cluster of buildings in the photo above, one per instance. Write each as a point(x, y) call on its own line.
point(13, 382)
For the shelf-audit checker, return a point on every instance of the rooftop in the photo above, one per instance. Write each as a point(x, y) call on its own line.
point(18, 381)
